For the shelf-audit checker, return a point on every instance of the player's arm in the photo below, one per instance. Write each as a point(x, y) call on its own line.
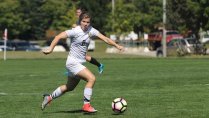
point(56, 39)
point(110, 41)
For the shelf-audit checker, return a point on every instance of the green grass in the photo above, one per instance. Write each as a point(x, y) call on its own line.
point(153, 88)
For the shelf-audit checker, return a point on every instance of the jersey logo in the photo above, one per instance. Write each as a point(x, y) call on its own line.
point(83, 43)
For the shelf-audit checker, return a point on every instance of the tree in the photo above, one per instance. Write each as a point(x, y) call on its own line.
point(186, 15)
point(12, 18)
point(49, 16)
point(123, 14)
point(99, 12)
point(30, 19)
point(34, 17)
point(148, 15)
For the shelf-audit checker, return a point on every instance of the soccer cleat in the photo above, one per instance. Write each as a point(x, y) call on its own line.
point(88, 108)
point(66, 73)
point(47, 99)
point(101, 68)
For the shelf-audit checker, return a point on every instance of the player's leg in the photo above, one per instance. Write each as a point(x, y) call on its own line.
point(71, 84)
point(95, 62)
point(86, 75)
point(55, 94)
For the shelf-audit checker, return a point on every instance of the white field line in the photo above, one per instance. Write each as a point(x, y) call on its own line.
point(198, 85)
point(27, 94)
point(3, 93)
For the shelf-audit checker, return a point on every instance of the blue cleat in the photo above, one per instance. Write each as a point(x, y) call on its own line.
point(66, 73)
point(101, 68)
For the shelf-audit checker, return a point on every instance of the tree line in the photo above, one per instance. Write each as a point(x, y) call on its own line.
point(36, 19)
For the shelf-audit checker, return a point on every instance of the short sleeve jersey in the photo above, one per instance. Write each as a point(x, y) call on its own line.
point(80, 41)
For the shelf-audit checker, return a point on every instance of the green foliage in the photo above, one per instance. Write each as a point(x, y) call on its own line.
point(35, 17)
point(55, 10)
point(150, 15)
point(140, 16)
point(68, 19)
point(99, 12)
point(12, 18)
point(123, 15)
point(26, 19)
point(30, 19)
point(188, 15)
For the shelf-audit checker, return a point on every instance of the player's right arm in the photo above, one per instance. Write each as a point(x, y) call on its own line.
point(56, 39)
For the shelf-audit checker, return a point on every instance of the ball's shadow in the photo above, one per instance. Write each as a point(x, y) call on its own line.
point(117, 114)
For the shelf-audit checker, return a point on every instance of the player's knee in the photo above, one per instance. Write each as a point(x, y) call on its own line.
point(92, 79)
point(88, 58)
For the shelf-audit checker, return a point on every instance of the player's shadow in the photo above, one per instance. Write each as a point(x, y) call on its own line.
point(70, 111)
point(75, 111)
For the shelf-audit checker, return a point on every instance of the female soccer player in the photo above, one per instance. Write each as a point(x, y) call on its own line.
point(89, 58)
point(80, 37)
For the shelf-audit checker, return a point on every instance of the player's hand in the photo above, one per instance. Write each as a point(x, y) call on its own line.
point(121, 48)
point(47, 51)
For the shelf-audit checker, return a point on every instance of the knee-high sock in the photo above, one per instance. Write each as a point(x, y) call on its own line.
point(87, 95)
point(57, 93)
point(95, 62)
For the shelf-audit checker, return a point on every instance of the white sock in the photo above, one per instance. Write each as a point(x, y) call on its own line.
point(87, 95)
point(57, 93)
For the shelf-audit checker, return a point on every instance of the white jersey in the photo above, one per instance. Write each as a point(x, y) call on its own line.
point(80, 41)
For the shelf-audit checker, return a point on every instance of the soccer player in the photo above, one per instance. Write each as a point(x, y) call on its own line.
point(80, 37)
point(90, 59)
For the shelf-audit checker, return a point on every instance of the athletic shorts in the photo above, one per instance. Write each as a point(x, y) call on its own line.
point(73, 66)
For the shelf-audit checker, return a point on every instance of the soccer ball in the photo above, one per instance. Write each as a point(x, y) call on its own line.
point(119, 105)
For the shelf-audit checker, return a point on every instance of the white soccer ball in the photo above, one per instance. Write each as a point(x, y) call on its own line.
point(119, 105)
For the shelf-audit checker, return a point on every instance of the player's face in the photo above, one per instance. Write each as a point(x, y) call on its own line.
point(78, 13)
point(85, 22)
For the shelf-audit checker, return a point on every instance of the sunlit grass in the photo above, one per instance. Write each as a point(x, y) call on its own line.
point(164, 88)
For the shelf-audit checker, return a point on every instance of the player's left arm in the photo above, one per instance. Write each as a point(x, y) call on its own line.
point(110, 41)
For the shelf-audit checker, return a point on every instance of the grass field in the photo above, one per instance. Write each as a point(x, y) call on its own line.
point(153, 88)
